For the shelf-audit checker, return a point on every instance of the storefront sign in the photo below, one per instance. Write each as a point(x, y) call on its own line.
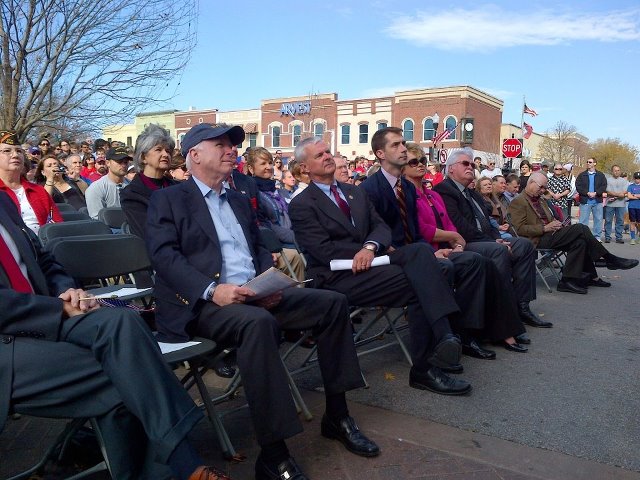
point(296, 108)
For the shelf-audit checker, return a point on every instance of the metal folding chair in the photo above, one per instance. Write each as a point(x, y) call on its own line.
point(549, 263)
point(66, 207)
point(69, 216)
point(112, 216)
point(74, 228)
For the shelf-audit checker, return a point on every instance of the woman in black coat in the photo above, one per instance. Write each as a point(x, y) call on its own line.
point(152, 159)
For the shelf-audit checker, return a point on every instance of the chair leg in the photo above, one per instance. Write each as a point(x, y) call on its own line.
point(301, 406)
point(544, 280)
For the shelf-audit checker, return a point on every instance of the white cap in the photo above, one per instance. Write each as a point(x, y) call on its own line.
point(568, 166)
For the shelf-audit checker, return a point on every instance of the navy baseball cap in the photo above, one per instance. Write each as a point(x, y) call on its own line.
point(206, 131)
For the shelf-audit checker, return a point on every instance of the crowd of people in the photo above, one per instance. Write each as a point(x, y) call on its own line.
point(459, 248)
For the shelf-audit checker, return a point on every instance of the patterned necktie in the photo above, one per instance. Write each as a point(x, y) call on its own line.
point(481, 220)
point(404, 217)
point(344, 206)
point(18, 281)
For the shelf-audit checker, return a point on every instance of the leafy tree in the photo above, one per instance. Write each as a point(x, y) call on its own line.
point(94, 61)
point(609, 152)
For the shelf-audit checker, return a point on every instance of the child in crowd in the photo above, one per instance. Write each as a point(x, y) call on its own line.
point(633, 195)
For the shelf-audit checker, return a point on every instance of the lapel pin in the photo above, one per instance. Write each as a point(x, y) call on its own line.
point(350, 197)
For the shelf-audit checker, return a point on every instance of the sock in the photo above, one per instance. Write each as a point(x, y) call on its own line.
point(274, 453)
point(184, 460)
point(336, 406)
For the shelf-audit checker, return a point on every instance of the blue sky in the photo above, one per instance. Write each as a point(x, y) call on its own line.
point(578, 62)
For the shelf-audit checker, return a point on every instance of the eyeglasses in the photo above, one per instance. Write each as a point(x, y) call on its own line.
point(464, 163)
point(415, 161)
point(557, 169)
point(589, 161)
point(45, 144)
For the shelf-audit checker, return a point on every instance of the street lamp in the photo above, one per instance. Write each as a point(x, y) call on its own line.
point(436, 121)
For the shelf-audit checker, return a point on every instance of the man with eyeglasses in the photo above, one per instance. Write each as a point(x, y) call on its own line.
point(105, 192)
point(534, 217)
point(342, 170)
point(491, 170)
point(514, 259)
point(591, 185)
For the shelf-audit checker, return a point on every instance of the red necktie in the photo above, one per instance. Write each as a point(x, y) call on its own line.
point(18, 281)
point(344, 206)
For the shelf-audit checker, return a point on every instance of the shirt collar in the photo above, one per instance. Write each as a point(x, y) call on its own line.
point(390, 178)
point(205, 189)
point(459, 185)
point(324, 187)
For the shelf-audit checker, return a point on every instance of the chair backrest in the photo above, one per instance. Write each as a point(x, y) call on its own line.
point(50, 231)
point(84, 210)
point(269, 240)
point(112, 216)
point(96, 257)
point(69, 216)
point(66, 207)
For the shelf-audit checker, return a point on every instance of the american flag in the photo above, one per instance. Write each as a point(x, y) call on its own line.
point(444, 135)
point(530, 111)
point(527, 130)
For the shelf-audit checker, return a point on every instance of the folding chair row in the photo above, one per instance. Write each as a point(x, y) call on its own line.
point(549, 263)
point(73, 228)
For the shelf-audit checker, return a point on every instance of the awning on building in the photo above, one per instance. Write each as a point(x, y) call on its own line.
point(251, 128)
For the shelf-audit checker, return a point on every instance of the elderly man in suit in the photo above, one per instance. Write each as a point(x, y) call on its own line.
point(514, 259)
point(58, 359)
point(532, 218)
point(203, 242)
point(334, 220)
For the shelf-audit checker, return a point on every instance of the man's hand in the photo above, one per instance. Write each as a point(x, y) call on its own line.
point(73, 306)
point(226, 294)
point(591, 194)
point(444, 252)
point(270, 302)
point(362, 261)
point(553, 226)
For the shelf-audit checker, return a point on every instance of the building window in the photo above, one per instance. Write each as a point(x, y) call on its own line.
point(363, 136)
point(345, 131)
point(297, 133)
point(275, 137)
point(129, 141)
point(451, 122)
point(427, 129)
point(382, 125)
point(253, 140)
point(407, 130)
point(318, 130)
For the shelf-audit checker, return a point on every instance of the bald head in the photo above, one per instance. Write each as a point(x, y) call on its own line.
point(537, 184)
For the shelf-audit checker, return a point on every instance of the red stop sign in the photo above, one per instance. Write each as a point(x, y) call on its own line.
point(512, 148)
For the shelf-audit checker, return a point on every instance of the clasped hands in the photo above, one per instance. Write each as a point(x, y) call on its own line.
point(553, 226)
point(73, 305)
point(228, 294)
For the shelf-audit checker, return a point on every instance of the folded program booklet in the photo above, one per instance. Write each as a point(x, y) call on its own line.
point(269, 282)
point(346, 264)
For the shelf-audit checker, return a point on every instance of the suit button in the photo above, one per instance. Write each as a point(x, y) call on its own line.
point(7, 339)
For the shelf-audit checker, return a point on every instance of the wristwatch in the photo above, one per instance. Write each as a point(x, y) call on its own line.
point(209, 296)
point(370, 246)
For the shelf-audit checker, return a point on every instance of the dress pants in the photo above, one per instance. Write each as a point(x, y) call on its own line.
point(414, 279)
point(108, 365)
point(516, 263)
point(585, 212)
point(255, 333)
point(581, 246)
point(609, 213)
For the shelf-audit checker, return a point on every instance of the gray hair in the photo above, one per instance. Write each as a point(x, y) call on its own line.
point(460, 152)
point(70, 158)
point(535, 177)
point(299, 153)
point(151, 136)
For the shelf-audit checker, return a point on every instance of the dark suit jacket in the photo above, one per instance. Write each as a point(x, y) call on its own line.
point(246, 185)
point(134, 200)
point(461, 213)
point(26, 315)
point(183, 246)
point(582, 186)
point(384, 200)
point(324, 233)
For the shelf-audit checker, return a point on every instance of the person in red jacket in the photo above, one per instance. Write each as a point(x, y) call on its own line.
point(34, 203)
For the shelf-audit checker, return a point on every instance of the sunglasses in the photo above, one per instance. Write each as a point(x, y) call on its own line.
point(45, 144)
point(464, 163)
point(557, 169)
point(415, 161)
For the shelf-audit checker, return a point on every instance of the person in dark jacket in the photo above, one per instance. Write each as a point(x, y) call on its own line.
point(591, 185)
point(152, 159)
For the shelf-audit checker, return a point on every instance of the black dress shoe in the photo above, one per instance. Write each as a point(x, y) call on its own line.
point(619, 263)
point(436, 381)
point(531, 318)
point(223, 370)
point(288, 469)
point(455, 369)
point(350, 435)
point(473, 349)
point(570, 287)
point(523, 339)
point(447, 352)
point(600, 263)
point(598, 283)
point(514, 347)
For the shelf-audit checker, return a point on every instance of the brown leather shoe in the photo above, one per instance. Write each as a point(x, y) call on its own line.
point(208, 473)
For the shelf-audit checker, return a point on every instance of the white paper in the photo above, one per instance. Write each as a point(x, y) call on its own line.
point(346, 264)
point(174, 347)
point(123, 292)
point(270, 282)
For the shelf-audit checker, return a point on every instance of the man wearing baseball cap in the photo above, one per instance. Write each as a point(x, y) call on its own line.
point(105, 192)
point(203, 242)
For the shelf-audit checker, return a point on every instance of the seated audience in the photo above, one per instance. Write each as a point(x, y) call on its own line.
point(178, 170)
point(152, 160)
point(52, 176)
point(302, 178)
point(513, 187)
point(73, 162)
point(497, 216)
point(336, 221)
point(203, 242)
point(287, 185)
point(433, 174)
point(33, 202)
point(533, 218)
point(105, 192)
point(57, 360)
point(272, 208)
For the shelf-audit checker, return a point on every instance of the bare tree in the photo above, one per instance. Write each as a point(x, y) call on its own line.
point(563, 144)
point(92, 60)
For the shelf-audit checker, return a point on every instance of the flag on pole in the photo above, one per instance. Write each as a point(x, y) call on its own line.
point(527, 130)
point(444, 135)
point(530, 111)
